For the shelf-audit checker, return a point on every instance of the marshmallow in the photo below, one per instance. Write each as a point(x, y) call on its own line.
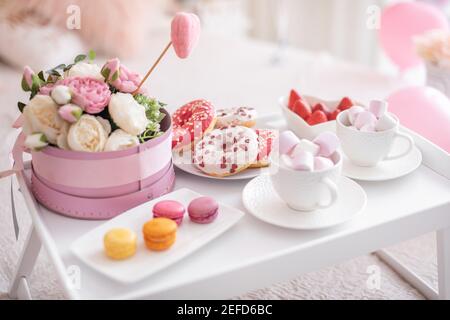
point(328, 142)
point(368, 128)
point(378, 108)
point(288, 140)
point(353, 112)
point(386, 122)
point(364, 118)
point(305, 145)
point(303, 160)
point(321, 163)
point(286, 160)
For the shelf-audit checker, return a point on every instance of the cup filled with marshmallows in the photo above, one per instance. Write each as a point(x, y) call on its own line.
point(368, 134)
point(308, 171)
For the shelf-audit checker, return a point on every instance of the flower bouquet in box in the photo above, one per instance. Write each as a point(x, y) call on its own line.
point(99, 143)
point(87, 108)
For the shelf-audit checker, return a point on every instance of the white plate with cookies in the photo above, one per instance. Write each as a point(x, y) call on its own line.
point(230, 153)
point(191, 168)
point(190, 237)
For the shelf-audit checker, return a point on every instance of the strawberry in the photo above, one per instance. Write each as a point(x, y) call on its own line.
point(317, 117)
point(333, 115)
point(320, 106)
point(293, 97)
point(345, 103)
point(302, 109)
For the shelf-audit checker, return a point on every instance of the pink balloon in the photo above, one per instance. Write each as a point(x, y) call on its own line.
point(425, 110)
point(400, 23)
point(185, 33)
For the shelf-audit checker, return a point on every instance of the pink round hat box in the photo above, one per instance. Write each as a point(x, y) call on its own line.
point(102, 185)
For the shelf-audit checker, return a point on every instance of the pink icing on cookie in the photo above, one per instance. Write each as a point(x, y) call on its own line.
point(235, 116)
point(191, 121)
point(225, 151)
point(266, 139)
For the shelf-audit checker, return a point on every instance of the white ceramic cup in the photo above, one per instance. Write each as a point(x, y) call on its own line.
point(367, 149)
point(307, 190)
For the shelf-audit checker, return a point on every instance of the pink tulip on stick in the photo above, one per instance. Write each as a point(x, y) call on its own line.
point(185, 33)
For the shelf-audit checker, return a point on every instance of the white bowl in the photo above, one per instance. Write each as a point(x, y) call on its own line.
point(299, 126)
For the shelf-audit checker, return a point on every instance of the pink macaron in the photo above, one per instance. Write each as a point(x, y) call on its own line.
point(170, 209)
point(203, 210)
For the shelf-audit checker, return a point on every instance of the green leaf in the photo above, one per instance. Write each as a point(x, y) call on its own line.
point(154, 115)
point(77, 113)
point(25, 86)
point(79, 58)
point(92, 55)
point(53, 72)
point(41, 76)
point(36, 83)
point(43, 138)
point(115, 76)
point(60, 66)
point(21, 106)
point(67, 68)
point(105, 73)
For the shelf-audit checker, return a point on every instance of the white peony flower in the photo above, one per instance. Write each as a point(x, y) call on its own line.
point(36, 141)
point(41, 116)
point(61, 94)
point(120, 140)
point(105, 123)
point(87, 134)
point(84, 69)
point(127, 113)
point(61, 140)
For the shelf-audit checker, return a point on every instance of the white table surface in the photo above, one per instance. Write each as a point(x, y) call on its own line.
point(254, 254)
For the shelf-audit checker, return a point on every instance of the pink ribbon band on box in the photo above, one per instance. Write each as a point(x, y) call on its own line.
point(111, 172)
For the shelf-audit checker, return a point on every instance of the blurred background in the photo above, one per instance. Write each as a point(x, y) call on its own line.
point(30, 30)
point(326, 48)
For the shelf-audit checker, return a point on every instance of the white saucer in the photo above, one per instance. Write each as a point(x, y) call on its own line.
point(263, 203)
point(385, 170)
point(188, 167)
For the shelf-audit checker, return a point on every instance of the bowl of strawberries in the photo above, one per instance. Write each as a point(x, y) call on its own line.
point(308, 116)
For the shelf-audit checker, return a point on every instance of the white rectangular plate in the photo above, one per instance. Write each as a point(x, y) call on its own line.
point(190, 237)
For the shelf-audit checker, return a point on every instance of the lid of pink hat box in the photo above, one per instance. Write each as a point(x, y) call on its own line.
point(190, 237)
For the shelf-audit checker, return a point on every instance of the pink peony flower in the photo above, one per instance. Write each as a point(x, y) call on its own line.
point(47, 89)
point(70, 112)
point(27, 78)
point(90, 94)
point(111, 69)
point(120, 77)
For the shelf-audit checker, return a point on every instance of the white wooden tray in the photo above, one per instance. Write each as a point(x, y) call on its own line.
point(254, 254)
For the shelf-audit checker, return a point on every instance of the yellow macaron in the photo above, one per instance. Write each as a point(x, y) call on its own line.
point(159, 233)
point(120, 243)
